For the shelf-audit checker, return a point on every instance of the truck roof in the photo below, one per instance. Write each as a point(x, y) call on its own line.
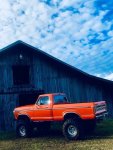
point(47, 94)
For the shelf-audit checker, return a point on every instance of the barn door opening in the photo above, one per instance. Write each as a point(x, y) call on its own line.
point(21, 74)
point(28, 98)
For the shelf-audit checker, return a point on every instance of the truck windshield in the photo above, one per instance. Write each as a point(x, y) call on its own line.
point(60, 99)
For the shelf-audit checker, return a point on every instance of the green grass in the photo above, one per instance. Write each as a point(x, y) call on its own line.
point(102, 139)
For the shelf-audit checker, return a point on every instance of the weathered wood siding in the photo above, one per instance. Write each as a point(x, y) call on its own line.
point(53, 79)
point(7, 104)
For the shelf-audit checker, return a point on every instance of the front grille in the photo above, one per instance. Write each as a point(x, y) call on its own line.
point(100, 107)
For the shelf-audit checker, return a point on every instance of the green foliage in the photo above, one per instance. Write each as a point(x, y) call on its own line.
point(102, 139)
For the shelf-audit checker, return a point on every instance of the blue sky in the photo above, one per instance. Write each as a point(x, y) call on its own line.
point(79, 32)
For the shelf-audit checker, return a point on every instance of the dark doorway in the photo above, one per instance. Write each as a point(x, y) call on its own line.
point(28, 98)
point(20, 74)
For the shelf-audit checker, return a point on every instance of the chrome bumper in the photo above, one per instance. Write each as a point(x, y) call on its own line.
point(102, 116)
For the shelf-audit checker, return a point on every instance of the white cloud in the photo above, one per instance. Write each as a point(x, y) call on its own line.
point(67, 3)
point(110, 33)
point(109, 77)
point(77, 38)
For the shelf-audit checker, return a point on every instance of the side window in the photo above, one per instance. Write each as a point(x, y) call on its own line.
point(43, 100)
point(60, 99)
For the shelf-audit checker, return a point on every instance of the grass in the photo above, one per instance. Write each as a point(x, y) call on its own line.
point(102, 139)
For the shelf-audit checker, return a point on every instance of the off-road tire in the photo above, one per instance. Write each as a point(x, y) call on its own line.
point(72, 129)
point(23, 129)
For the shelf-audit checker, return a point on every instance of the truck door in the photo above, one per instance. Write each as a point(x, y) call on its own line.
point(43, 110)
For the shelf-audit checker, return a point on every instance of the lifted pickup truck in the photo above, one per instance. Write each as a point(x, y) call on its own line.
point(77, 118)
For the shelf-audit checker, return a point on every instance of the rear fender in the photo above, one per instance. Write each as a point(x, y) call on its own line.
point(67, 115)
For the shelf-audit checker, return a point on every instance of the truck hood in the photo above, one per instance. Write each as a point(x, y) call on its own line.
point(27, 107)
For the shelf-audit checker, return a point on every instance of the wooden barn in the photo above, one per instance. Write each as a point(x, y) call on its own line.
point(25, 72)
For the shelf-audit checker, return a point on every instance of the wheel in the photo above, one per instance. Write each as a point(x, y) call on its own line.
point(71, 129)
point(23, 129)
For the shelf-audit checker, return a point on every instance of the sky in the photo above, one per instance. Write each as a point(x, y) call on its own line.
point(78, 32)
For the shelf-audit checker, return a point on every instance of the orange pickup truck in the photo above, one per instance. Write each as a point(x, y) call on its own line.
point(76, 118)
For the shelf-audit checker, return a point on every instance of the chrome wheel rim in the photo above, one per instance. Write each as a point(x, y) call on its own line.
point(72, 130)
point(22, 131)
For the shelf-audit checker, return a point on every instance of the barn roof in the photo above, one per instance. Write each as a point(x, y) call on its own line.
point(57, 61)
